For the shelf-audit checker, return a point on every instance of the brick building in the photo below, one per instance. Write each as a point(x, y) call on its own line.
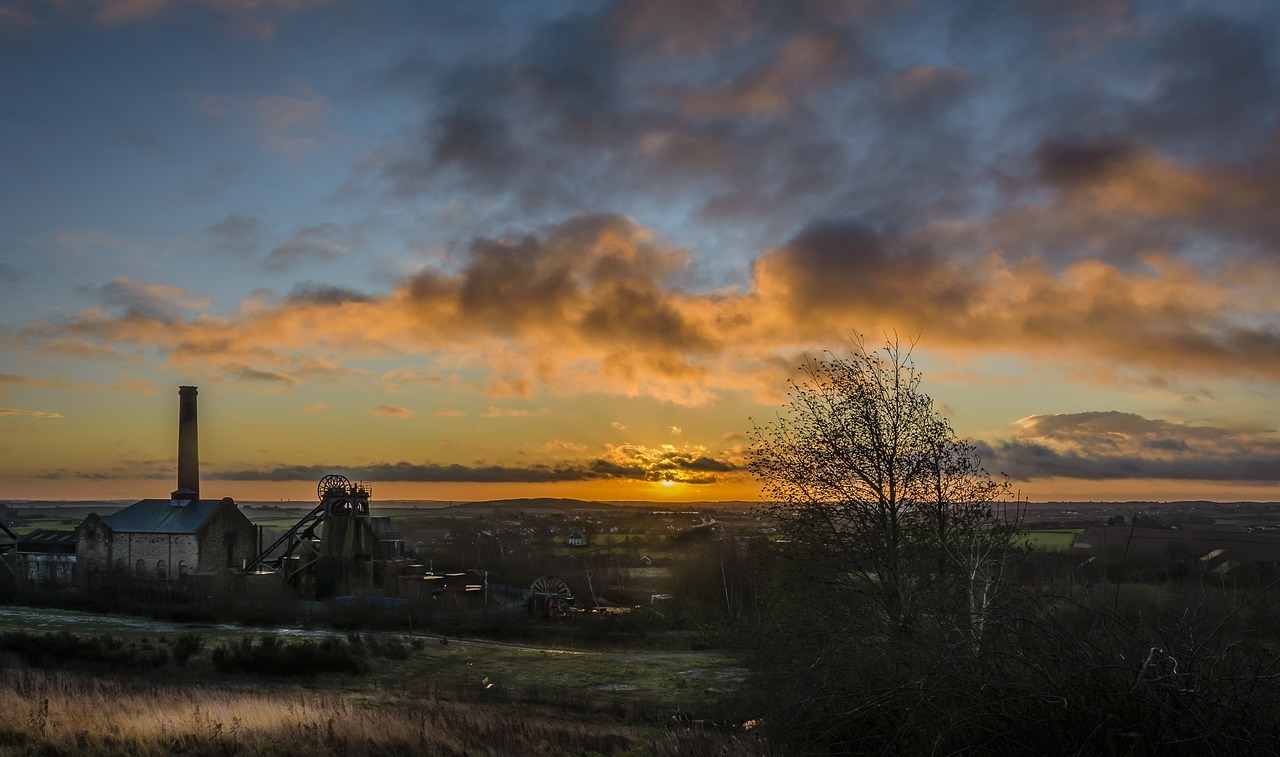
point(166, 540)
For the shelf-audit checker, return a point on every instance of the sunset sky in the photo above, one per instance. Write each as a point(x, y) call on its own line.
point(472, 250)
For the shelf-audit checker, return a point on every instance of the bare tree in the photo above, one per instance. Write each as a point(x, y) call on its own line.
point(870, 483)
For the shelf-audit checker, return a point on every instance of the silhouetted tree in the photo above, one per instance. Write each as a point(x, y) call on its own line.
point(878, 497)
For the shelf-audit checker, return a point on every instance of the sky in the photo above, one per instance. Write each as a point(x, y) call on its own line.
point(504, 249)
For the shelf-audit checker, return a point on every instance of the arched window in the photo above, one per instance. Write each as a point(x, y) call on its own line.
point(182, 569)
point(121, 565)
point(162, 570)
point(140, 569)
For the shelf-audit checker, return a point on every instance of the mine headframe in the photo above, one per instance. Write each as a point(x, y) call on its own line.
point(331, 548)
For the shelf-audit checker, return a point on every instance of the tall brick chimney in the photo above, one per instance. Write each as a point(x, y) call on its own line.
point(188, 442)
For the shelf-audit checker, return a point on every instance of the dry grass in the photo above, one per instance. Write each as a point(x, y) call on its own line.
point(58, 713)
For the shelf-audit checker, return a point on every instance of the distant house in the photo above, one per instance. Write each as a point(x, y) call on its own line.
point(577, 539)
point(166, 539)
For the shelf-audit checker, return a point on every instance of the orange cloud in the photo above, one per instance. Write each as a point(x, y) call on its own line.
point(392, 411)
point(595, 306)
point(510, 412)
point(29, 413)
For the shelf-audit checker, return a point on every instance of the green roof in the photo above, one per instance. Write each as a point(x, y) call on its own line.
point(159, 516)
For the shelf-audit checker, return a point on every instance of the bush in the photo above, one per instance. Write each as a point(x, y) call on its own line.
point(57, 649)
point(268, 655)
point(185, 646)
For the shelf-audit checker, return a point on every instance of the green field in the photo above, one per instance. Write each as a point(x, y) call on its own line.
point(1052, 540)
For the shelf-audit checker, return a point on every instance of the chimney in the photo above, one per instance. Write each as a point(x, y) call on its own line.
point(188, 442)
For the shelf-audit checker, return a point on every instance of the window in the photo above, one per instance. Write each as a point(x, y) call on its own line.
point(140, 569)
point(162, 570)
point(182, 569)
point(121, 565)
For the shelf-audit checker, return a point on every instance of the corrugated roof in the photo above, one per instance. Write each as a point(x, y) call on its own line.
point(159, 516)
point(48, 537)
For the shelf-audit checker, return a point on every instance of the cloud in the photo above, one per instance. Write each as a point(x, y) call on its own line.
point(290, 125)
point(238, 233)
point(255, 376)
point(308, 245)
point(286, 125)
point(598, 305)
point(29, 413)
point(693, 465)
point(154, 301)
point(800, 65)
point(450, 413)
point(557, 444)
point(1115, 445)
point(311, 292)
point(392, 411)
point(252, 18)
point(1114, 178)
point(513, 412)
point(15, 17)
point(315, 407)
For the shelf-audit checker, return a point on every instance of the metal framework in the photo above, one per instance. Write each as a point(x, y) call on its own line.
point(7, 546)
point(331, 546)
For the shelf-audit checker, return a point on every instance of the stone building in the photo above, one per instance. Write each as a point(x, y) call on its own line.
point(167, 540)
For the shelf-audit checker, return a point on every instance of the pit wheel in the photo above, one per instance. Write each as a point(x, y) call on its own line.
point(330, 483)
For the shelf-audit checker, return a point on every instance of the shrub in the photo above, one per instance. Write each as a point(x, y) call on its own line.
point(268, 655)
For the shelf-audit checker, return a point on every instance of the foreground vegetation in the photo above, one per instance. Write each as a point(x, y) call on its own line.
point(358, 695)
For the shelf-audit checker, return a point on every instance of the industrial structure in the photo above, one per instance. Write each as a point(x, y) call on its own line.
point(189, 546)
point(172, 539)
point(334, 549)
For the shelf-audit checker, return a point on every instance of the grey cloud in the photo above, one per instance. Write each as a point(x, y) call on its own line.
point(1073, 162)
point(1115, 445)
point(309, 244)
point(138, 299)
point(324, 294)
point(1217, 81)
point(238, 233)
point(258, 376)
point(701, 470)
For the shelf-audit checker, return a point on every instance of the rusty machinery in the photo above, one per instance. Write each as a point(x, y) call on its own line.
point(332, 549)
point(549, 597)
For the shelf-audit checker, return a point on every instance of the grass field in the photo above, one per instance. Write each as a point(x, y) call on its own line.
point(662, 679)
point(437, 697)
point(1052, 540)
